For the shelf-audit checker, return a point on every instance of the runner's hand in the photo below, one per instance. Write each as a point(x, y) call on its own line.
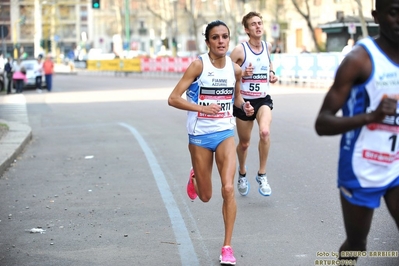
point(387, 106)
point(273, 78)
point(248, 109)
point(211, 109)
point(249, 70)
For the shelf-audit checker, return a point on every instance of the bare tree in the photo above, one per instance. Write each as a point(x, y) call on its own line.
point(196, 19)
point(361, 17)
point(306, 16)
point(168, 22)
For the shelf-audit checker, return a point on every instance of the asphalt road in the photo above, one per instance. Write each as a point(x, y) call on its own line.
point(105, 177)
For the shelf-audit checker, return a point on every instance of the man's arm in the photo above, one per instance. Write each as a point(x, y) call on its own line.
point(238, 100)
point(273, 77)
point(354, 69)
point(238, 56)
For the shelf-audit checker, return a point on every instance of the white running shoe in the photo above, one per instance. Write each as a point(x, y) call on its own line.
point(242, 185)
point(264, 187)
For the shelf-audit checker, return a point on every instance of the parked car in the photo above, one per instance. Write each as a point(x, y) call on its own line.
point(30, 66)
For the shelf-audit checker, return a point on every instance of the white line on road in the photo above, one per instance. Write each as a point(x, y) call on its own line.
point(186, 248)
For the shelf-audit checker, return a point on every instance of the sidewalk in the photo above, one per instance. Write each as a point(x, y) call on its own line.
point(13, 114)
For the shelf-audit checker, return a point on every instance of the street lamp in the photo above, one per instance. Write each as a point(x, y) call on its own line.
point(127, 25)
point(175, 31)
point(4, 32)
point(51, 36)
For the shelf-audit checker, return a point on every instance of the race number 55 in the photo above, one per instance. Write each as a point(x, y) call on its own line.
point(254, 86)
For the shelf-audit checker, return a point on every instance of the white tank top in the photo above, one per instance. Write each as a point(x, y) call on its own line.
point(256, 86)
point(214, 85)
point(372, 152)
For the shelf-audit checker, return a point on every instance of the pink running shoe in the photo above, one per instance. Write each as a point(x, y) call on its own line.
point(227, 256)
point(192, 194)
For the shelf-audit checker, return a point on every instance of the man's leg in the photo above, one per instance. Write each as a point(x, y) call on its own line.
point(226, 163)
point(39, 82)
point(244, 129)
point(9, 82)
point(49, 82)
point(4, 88)
point(392, 202)
point(357, 221)
point(264, 118)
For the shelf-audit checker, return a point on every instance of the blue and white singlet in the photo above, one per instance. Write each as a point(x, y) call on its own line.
point(256, 86)
point(369, 156)
point(214, 85)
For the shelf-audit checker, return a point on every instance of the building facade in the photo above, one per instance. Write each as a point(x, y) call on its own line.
point(160, 27)
point(34, 27)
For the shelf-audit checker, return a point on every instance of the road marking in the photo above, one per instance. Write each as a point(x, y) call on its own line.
point(186, 248)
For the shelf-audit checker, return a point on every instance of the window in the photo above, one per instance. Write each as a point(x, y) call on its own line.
point(299, 42)
point(83, 13)
point(317, 2)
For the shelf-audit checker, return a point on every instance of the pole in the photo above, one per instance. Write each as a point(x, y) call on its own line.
point(175, 30)
point(14, 37)
point(52, 29)
point(38, 27)
point(127, 24)
point(2, 42)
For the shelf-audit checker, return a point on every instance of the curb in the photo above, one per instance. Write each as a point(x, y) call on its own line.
point(13, 143)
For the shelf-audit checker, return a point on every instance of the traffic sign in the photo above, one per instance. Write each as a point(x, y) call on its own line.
point(352, 28)
point(275, 30)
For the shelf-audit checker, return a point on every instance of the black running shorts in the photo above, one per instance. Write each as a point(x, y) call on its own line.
point(256, 104)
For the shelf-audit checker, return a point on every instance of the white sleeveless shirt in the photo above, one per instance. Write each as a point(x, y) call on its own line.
point(216, 86)
point(256, 86)
point(369, 156)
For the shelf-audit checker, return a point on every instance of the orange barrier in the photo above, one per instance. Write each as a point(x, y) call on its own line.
point(122, 65)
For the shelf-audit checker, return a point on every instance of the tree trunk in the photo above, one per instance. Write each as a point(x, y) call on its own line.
point(308, 21)
point(365, 32)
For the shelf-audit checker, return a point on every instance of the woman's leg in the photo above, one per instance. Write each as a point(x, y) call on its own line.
point(202, 162)
point(18, 85)
point(226, 163)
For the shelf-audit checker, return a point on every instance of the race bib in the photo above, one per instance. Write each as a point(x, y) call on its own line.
point(381, 143)
point(255, 86)
point(219, 96)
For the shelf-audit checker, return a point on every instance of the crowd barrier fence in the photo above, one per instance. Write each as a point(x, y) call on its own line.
point(312, 69)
